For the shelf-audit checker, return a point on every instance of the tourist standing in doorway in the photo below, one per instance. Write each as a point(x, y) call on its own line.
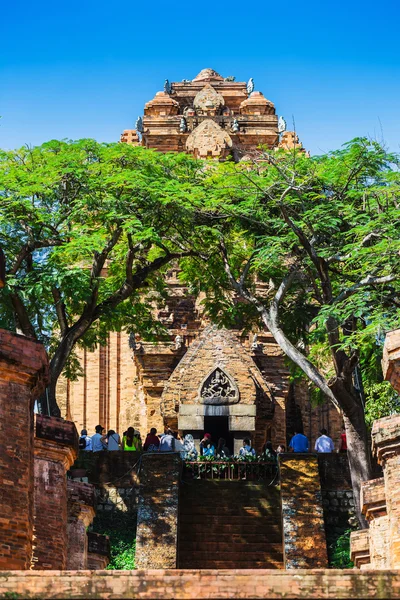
point(222, 451)
point(207, 448)
point(299, 443)
point(247, 449)
point(324, 443)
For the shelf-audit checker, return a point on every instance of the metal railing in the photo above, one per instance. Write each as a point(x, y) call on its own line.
point(232, 470)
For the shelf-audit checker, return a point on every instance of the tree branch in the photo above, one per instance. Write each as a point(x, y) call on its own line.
point(369, 280)
point(60, 310)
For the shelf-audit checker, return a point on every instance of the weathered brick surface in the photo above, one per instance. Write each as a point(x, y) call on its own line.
point(302, 512)
point(359, 548)
point(229, 524)
point(391, 358)
point(386, 445)
point(55, 449)
point(23, 374)
point(81, 512)
point(202, 585)
point(157, 519)
point(98, 551)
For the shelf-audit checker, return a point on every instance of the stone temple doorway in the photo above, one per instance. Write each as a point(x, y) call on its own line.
point(219, 427)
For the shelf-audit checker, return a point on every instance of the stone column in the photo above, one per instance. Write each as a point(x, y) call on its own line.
point(304, 539)
point(81, 512)
point(391, 358)
point(386, 445)
point(373, 504)
point(56, 448)
point(98, 551)
point(359, 549)
point(23, 376)
point(157, 519)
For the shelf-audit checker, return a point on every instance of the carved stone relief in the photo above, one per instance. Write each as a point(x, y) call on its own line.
point(218, 388)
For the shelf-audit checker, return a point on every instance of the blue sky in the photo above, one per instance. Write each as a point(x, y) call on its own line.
point(85, 69)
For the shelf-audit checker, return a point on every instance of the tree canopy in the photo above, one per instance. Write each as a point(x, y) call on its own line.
point(312, 245)
point(87, 229)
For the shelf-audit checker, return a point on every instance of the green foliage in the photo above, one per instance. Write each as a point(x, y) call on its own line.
point(88, 230)
point(121, 529)
point(339, 552)
point(335, 221)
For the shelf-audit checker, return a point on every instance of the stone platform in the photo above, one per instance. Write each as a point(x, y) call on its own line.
point(201, 584)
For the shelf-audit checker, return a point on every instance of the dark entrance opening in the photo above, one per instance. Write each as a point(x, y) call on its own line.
point(219, 427)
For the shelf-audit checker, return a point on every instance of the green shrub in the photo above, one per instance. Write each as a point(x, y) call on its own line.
point(340, 552)
point(121, 529)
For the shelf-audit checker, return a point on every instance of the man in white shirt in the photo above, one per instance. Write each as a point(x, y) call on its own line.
point(324, 443)
point(97, 439)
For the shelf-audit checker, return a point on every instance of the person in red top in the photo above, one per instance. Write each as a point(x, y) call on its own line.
point(343, 440)
point(152, 442)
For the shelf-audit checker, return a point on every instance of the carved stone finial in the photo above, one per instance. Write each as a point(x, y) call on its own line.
point(178, 342)
point(255, 345)
point(183, 125)
point(235, 126)
point(250, 86)
point(281, 125)
point(167, 87)
point(133, 344)
point(139, 125)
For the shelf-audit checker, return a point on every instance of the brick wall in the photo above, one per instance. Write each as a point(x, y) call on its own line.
point(157, 520)
point(373, 503)
point(55, 448)
point(386, 445)
point(203, 585)
point(81, 511)
point(302, 513)
point(23, 375)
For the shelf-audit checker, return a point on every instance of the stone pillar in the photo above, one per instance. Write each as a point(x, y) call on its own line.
point(373, 504)
point(98, 551)
point(304, 540)
point(157, 519)
point(81, 512)
point(56, 448)
point(23, 376)
point(391, 358)
point(359, 549)
point(386, 446)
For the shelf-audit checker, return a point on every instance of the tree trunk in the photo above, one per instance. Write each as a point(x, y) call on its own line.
point(48, 402)
point(358, 452)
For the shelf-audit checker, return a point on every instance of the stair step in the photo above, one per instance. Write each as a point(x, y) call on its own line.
point(256, 511)
point(228, 519)
point(190, 546)
point(212, 564)
point(238, 556)
point(232, 537)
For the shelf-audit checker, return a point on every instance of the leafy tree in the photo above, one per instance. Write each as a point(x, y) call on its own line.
point(87, 230)
point(313, 246)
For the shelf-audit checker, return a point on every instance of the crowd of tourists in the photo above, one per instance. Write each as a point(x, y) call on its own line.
point(171, 441)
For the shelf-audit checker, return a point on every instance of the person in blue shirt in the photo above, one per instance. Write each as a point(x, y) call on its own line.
point(299, 443)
